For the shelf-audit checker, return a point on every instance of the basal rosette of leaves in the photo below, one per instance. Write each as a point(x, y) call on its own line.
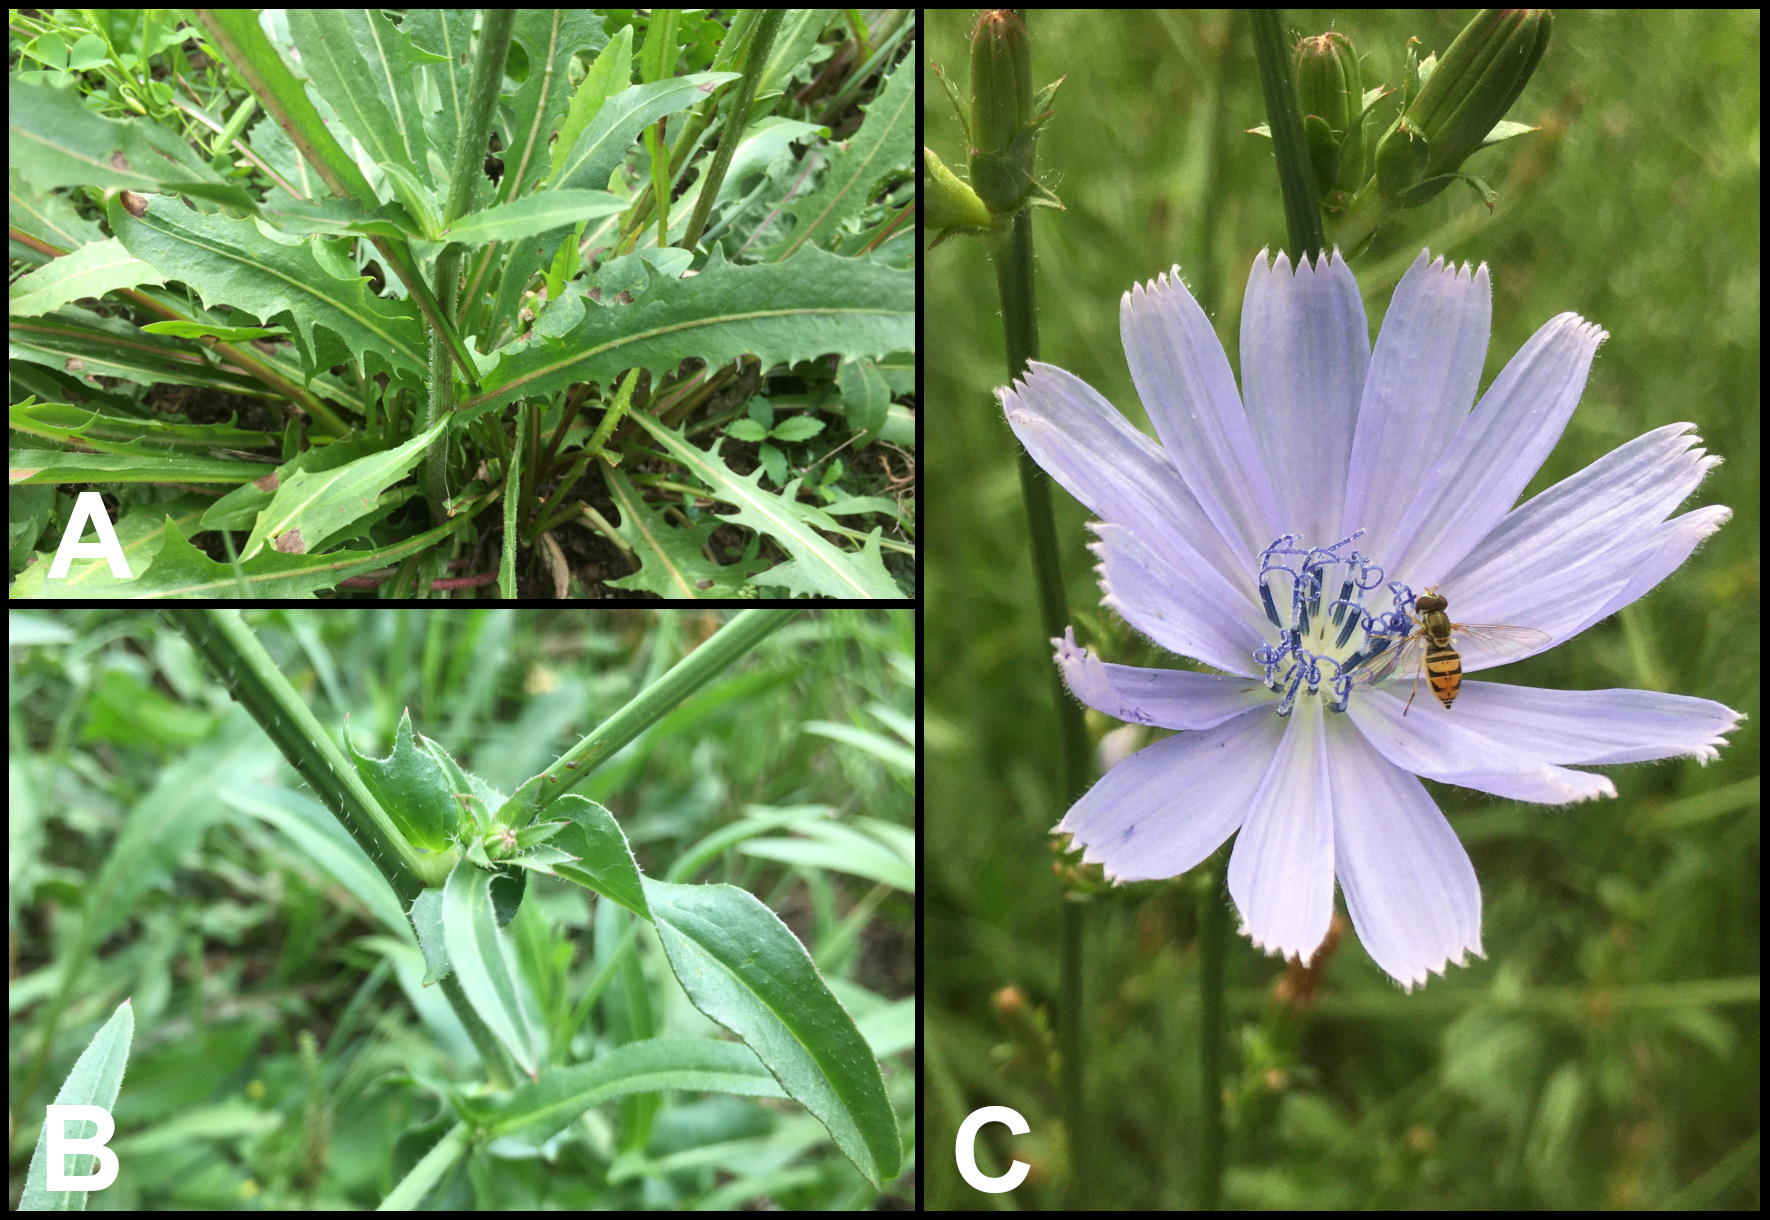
point(437, 350)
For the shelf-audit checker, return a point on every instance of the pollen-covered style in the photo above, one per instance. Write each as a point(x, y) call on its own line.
point(1312, 536)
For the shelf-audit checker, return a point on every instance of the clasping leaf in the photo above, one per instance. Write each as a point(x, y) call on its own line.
point(412, 787)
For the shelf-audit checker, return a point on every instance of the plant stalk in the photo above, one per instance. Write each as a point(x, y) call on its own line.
point(736, 119)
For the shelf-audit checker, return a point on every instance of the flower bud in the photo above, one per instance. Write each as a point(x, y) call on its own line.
point(1463, 99)
point(1331, 90)
point(500, 843)
point(1003, 127)
point(1401, 166)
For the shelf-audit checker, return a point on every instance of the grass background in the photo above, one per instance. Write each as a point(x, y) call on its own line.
point(1605, 1054)
point(279, 1060)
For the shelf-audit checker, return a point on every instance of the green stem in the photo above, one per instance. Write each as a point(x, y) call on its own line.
point(495, 29)
point(736, 638)
point(1020, 325)
point(234, 654)
point(1213, 936)
point(736, 118)
point(442, 391)
point(1284, 118)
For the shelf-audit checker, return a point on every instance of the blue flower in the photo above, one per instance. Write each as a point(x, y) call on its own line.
point(1336, 538)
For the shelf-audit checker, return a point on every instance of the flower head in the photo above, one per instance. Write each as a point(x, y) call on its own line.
point(1325, 536)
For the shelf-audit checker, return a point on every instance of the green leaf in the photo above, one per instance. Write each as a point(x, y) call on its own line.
point(90, 271)
point(369, 71)
point(605, 862)
point(84, 345)
point(236, 34)
point(883, 146)
point(98, 429)
point(841, 849)
point(318, 835)
point(231, 262)
point(550, 38)
point(311, 507)
point(673, 560)
point(412, 788)
point(95, 1080)
point(416, 198)
point(818, 566)
point(54, 140)
point(126, 464)
point(811, 304)
point(795, 429)
point(426, 916)
point(485, 963)
point(621, 118)
point(741, 966)
point(536, 1112)
point(612, 70)
point(536, 214)
point(178, 569)
point(866, 398)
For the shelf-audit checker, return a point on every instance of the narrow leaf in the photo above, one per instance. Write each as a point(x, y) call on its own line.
point(486, 965)
point(842, 850)
point(95, 1080)
point(533, 215)
point(535, 1112)
point(620, 120)
point(741, 966)
point(612, 72)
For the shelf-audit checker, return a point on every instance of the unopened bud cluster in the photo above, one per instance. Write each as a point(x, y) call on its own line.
point(1452, 106)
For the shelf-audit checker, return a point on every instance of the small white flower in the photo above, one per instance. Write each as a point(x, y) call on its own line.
point(1287, 535)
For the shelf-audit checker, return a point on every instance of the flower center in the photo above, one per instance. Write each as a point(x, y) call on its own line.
point(1316, 596)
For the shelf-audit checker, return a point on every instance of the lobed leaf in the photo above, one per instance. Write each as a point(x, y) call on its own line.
point(231, 262)
point(674, 562)
point(880, 148)
point(818, 566)
point(809, 305)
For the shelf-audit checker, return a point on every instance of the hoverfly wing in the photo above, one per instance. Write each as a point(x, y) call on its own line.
point(1403, 653)
point(1492, 642)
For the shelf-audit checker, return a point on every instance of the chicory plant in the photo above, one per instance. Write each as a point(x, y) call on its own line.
point(462, 360)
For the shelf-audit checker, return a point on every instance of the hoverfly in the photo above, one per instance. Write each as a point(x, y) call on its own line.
point(1428, 648)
